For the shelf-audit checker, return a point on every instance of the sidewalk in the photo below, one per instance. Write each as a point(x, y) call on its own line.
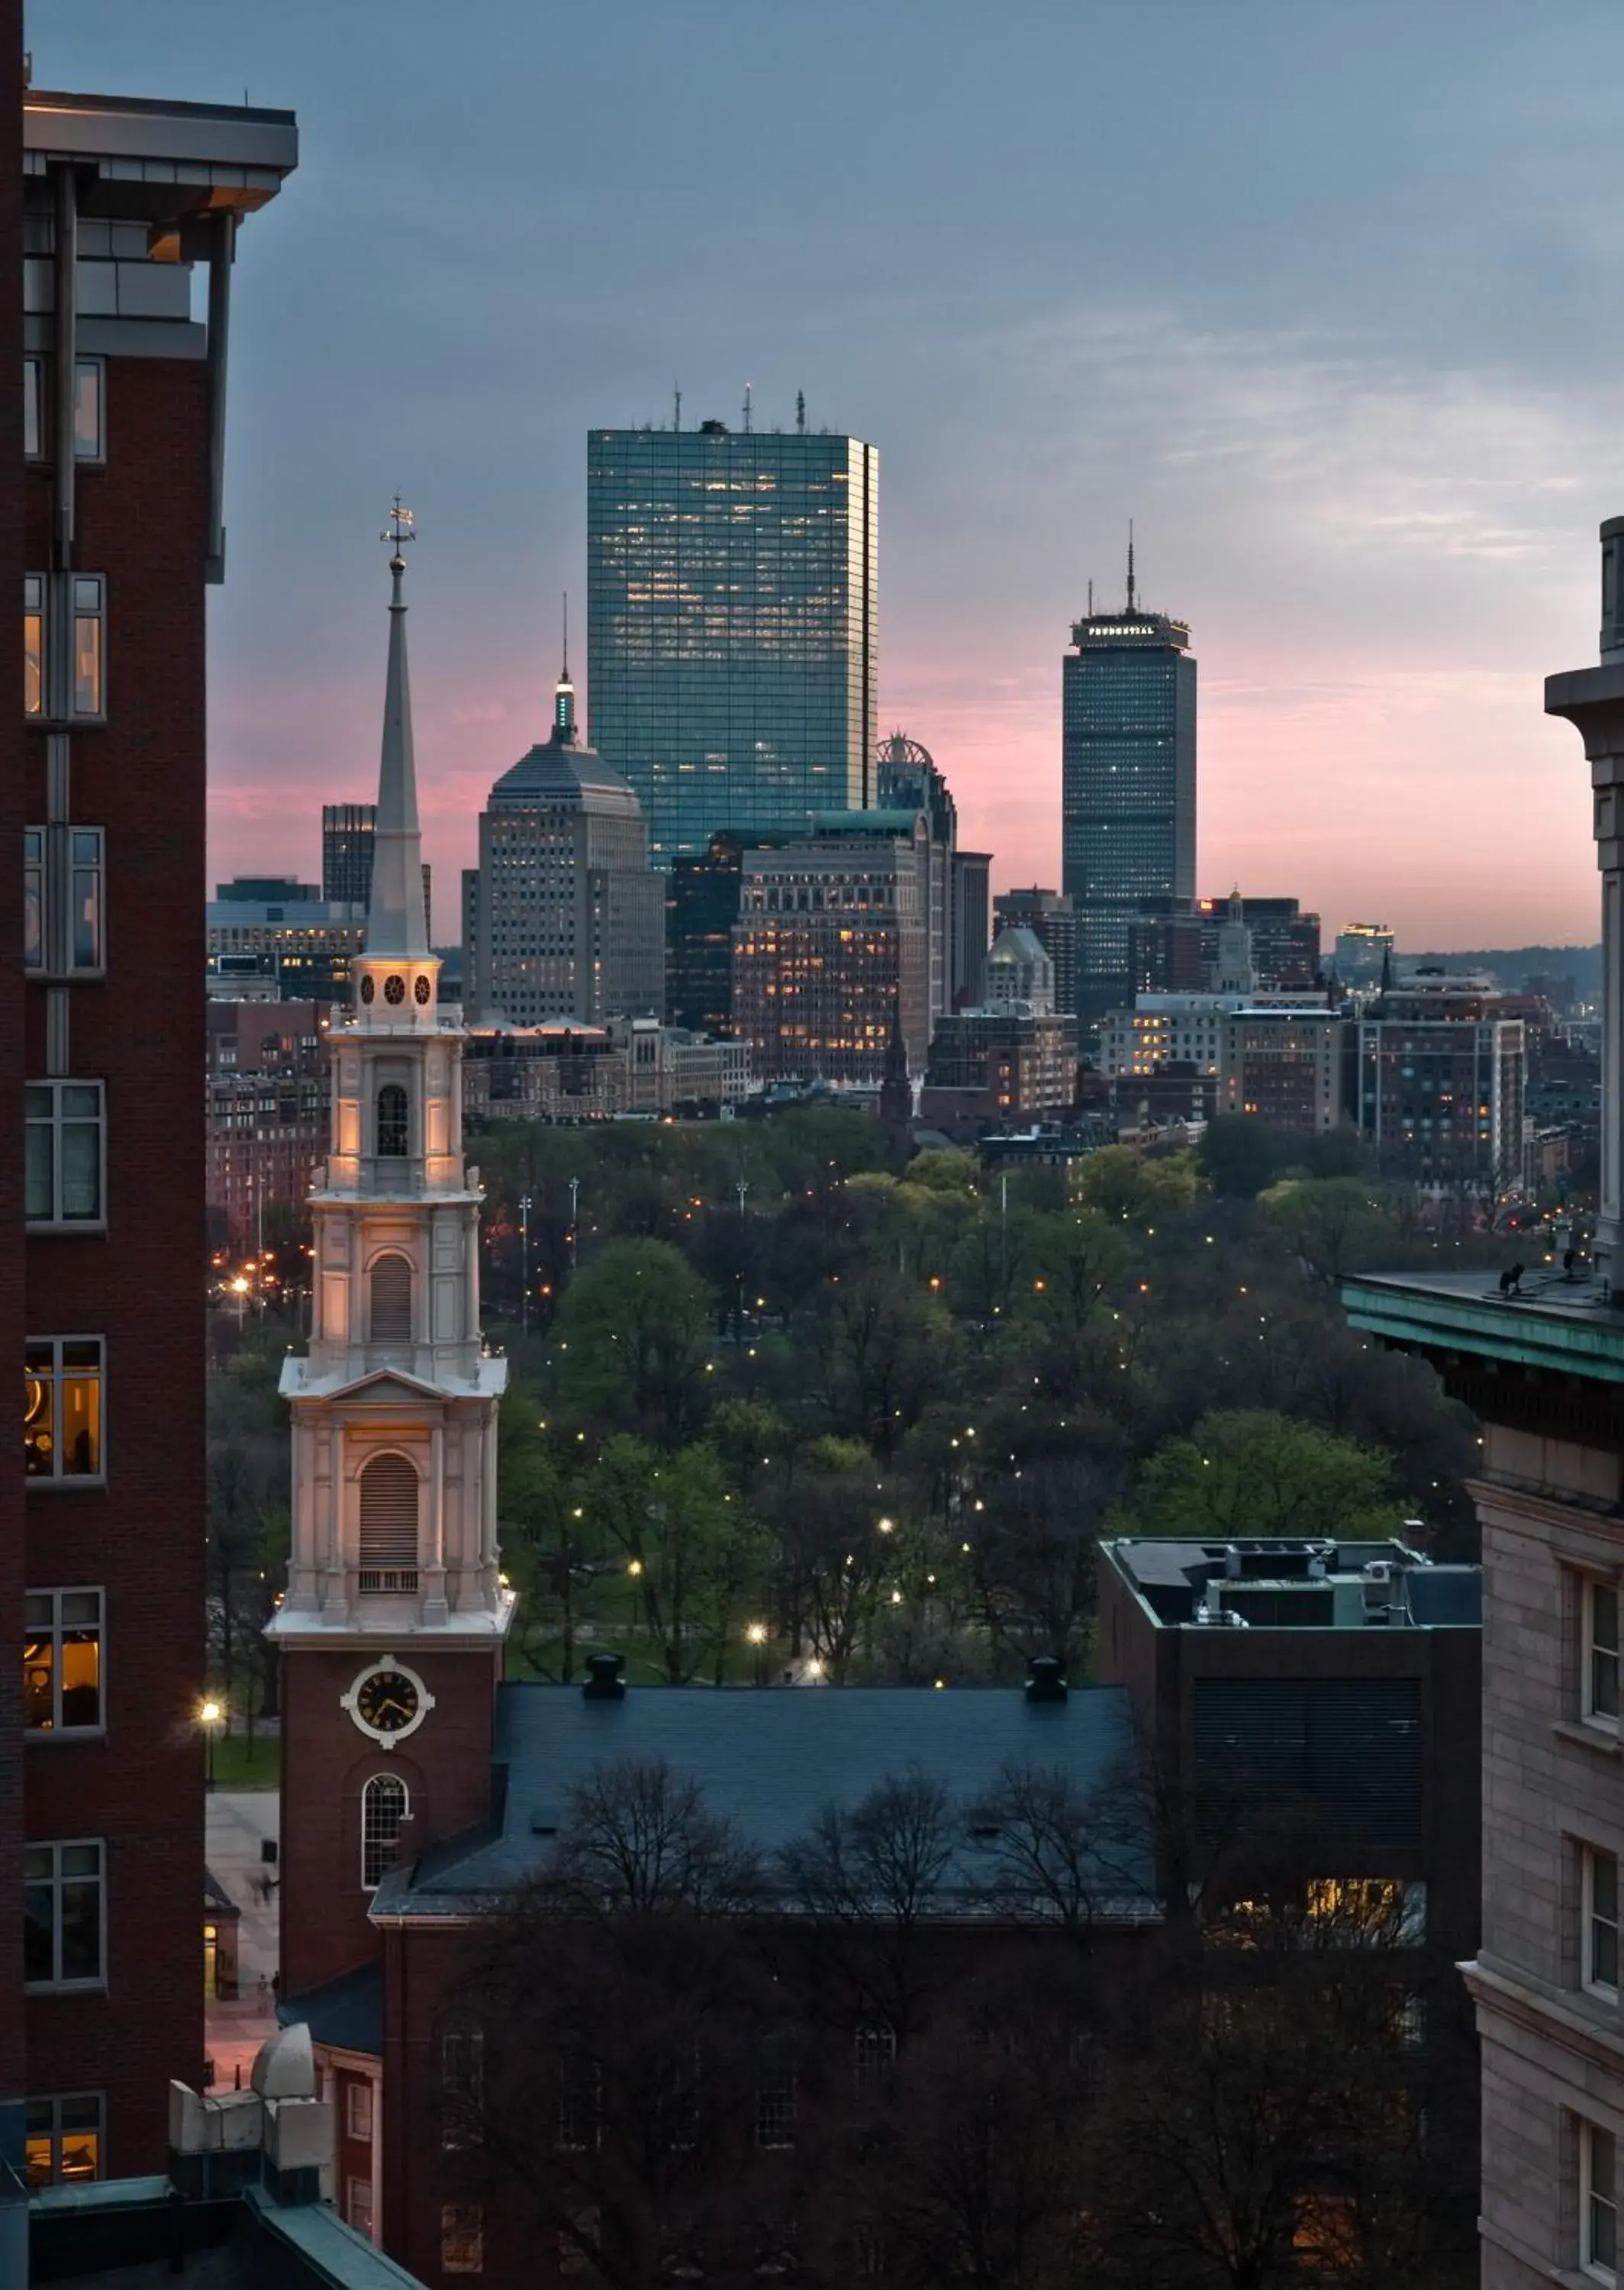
point(237, 1821)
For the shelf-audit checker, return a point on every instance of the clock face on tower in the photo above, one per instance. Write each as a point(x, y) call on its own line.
point(387, 1701)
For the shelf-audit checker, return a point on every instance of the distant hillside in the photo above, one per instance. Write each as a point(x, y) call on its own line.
point(1514, 964)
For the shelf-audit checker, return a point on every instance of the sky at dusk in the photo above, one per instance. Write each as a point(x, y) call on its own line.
point(1326, 299)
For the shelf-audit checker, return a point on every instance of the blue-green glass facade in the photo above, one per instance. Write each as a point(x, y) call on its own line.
point(1128, 785)
point(732, 648)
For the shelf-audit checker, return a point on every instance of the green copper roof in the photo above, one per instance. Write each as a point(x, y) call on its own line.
point(1559, 1325)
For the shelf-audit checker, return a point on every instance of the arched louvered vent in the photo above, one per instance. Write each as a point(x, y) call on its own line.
point(391, 1314)
point(388, 1525)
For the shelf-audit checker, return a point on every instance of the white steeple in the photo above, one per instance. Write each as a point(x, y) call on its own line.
point(393, 1408)
point(394, 919)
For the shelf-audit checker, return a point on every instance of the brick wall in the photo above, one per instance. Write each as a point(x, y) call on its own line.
point(142, 777)
point(326, 1762)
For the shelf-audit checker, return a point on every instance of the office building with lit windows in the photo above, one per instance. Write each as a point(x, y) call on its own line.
point(123, 241)
point(1128, 786)
point(732, 643)
point(833, 946)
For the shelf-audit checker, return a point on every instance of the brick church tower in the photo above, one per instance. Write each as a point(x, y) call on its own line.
point(392, 1628)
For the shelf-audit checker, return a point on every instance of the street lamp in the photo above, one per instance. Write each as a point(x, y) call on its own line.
point(756, 1635)
point(524, 1260)
point(211, 1714)
point(239, 1289)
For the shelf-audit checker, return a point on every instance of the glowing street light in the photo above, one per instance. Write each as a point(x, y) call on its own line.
point(756, 1637)
point(210, 1717)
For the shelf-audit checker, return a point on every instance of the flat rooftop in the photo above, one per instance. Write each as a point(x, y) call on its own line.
point(1552, 1323)
point(1273, 1582)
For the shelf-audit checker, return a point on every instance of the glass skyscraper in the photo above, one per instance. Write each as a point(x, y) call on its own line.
point(732, 647)
point(1128, 785)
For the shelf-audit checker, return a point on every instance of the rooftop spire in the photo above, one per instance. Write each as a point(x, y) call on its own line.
point(394, 919)
point(1130, 607)
point(563, 695)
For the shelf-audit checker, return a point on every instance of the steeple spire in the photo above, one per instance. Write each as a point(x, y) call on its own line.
point(563, 695)
point(394, 919)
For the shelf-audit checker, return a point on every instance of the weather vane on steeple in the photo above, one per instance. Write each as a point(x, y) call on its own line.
point(402, 528)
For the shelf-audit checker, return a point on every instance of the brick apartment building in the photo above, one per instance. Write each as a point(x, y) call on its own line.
point(1351, 1693)
point(113, 527)
point(266, 1092)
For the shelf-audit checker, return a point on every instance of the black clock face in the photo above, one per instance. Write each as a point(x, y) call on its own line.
point(421, 989)
point(386, 1702)
point(394, 989)
point(369, 986)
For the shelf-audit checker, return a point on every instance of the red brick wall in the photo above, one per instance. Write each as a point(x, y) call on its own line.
point(142, 776)
point(326, 1762)
point(13, 2073)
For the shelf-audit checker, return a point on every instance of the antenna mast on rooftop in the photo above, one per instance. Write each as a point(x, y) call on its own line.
point(1130, 607)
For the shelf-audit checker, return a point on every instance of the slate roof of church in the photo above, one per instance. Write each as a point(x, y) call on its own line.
point(769, 1761)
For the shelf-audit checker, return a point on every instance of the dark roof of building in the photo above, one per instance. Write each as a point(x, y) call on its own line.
point(768, 1761)
point(217, 1902)
point(556, 772)
point(347, 2013)
point(1286, 1582)
point(136, 2232)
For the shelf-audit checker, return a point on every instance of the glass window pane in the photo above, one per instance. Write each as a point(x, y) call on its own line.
point(1604, 1617)
point(38, 1956)
point(81, 1426)
point(87, 663)
point(81, 1678)
point(33, 662)
point(87, 918)
point(38, 1671)
point(82, 1169)
point(32, 442)
point(80, 1930)
point(39, 1200)
point(87, 410)
point(38, 1418)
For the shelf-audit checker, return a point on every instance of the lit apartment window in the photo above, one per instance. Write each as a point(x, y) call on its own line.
point(61, 1662)
point(63, 2139)
point(34, 645)
point(1599, 1684)
point(1599, 1939)
point(64, 1937)
point(85, 849)
point(384, 1801)
point(462, 2238)
point(359, 2110)
point(1598, 2212)
point(63, 1414)
point(63, 1153)
point(87, 644)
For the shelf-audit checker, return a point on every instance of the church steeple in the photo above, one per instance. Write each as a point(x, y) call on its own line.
point(395, 924)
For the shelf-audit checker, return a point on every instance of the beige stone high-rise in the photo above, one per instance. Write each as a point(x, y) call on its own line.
point(1542, 1365)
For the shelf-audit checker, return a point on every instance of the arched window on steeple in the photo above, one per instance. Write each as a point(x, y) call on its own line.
point(390, 1316)
point(384, 1803)
point(393, 1142)
point(387, 1556)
